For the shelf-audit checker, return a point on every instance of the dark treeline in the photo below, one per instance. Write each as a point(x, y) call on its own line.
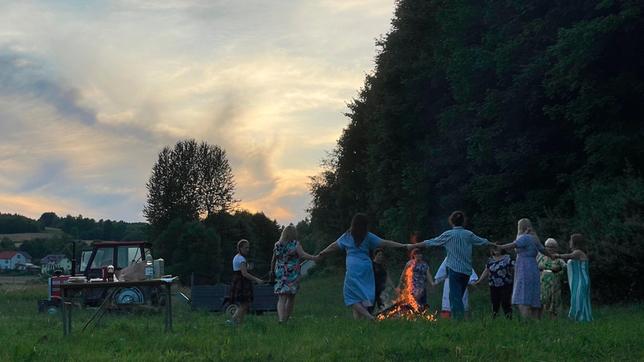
point(69, 228)
point(505, 110)
point(206, 247)
point(80, 227)
point(14, 223)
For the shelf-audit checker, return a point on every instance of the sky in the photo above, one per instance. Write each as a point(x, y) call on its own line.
point(91, 91)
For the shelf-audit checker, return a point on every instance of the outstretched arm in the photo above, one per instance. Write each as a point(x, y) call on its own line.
point(391, 244)
point(414, 246)
point(574, 255)
point(271, 273)
point(248, 275)
point(507, 246)
point(484, 275)
point(303, 254)
point(273, 262)
point(430, 278)
point(477, 240)
point(333, 247)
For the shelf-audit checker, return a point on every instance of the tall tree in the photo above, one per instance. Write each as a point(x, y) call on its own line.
point(216, 182)
point(188, 181)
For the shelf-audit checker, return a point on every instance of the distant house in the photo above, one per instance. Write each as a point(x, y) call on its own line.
point(10, 260)
point(53, 262)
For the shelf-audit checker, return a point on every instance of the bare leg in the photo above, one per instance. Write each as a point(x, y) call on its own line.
point(290, 304)
point(525, 311)
point(281, 307)
point(359, 311)
point(240, 313)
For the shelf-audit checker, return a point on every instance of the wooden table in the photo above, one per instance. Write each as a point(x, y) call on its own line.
point(67, 309)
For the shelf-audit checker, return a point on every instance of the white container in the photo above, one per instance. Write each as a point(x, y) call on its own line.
point(149, 270)
point(158, 268)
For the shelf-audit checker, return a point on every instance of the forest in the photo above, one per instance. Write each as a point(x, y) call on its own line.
point(503, 109)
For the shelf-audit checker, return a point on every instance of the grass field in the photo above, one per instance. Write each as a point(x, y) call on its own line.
point(321, 329)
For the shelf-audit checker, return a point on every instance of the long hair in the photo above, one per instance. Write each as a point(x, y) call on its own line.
point(524, 226)
point(289, 233)
point(578, 242)
point(359, 228)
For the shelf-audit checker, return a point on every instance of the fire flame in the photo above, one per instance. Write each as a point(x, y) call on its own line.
point(405, 305)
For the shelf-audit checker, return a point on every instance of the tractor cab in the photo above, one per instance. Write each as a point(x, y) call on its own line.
point(120, 254)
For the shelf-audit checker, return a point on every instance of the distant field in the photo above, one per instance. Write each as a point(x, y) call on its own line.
point(17, 283)
point(322, 329)
point(20, 237)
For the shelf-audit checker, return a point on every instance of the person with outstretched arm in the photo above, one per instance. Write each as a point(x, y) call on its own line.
point(458, 244)
point(359, 284)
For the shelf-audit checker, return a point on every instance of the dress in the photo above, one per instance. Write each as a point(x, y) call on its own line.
point(359, 283)
point(500, 281)
point(527, 286)
point(241, 289)
point(287, 268)
point(579, 280)
point(551, 283)
point(419, 280)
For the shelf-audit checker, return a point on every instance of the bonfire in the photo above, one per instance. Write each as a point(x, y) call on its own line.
point(405, 305)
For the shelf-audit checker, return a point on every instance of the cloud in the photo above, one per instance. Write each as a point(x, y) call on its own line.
point(22, 75)
point(89, 96)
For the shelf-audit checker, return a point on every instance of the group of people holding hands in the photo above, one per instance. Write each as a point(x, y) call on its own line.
point(532, 281)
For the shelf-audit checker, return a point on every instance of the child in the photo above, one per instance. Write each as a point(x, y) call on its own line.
point(441, 275)
point(286, 267)
point(500, 269)
point(241, 287)
point(380, 275)
point(578, 279)
point(420, 277)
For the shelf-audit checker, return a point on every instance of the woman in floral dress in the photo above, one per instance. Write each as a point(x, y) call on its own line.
point(285, 265)
point(551, 279)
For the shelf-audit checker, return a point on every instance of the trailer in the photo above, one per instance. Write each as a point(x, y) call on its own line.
point(215, 298)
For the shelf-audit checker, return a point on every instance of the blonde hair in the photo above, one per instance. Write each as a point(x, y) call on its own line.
point(289, 233)
point(240, 243)
point(551, 242)
point(524, 226)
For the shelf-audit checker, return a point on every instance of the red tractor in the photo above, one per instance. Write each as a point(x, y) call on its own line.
point(94, 267)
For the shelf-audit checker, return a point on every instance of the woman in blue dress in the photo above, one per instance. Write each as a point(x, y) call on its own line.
point(579, 280)
point(359, 284)
point(526, 292)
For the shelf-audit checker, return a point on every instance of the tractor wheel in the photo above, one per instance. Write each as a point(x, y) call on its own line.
point(231, 309)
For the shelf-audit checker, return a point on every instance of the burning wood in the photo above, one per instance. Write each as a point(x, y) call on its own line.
point(405, 306)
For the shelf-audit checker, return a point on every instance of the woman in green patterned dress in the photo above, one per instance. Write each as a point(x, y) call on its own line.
point(285, 265)
point(578, 279)
point(551, 279)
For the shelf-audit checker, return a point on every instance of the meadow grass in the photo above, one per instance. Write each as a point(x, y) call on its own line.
point(321, 329)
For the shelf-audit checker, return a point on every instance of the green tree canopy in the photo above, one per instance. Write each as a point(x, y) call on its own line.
point(505, 110)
